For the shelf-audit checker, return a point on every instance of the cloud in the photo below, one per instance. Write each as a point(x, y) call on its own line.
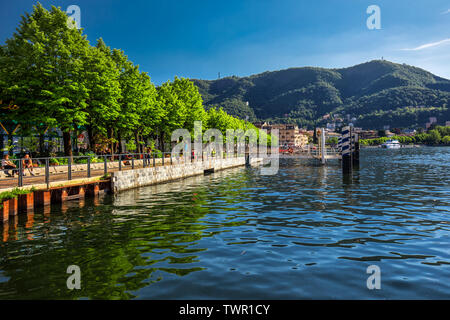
point(428, 45)
point(445, 12)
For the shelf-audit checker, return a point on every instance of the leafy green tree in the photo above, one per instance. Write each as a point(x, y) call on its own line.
point(42, 72)
point(140, 112)
point(101, 78)
point(175, 110)
point(434, 136)
point(193, 102)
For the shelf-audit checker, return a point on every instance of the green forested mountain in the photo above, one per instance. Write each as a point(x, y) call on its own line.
point(376, 93)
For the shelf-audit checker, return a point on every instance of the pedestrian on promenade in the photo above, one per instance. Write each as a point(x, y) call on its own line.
point(27, 163)
point(8, 165)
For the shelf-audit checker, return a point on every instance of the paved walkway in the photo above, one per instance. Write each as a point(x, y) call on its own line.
point(29, 180)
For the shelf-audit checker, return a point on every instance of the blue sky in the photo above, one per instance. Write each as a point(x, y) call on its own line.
point(198, 39)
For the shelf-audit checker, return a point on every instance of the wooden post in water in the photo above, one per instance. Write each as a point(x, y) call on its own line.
point(355, 154)
point(346, 149)
point(322, 145)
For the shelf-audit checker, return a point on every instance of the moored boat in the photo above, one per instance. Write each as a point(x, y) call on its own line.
point(391, 144)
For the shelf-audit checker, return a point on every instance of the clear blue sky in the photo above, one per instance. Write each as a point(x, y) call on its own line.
point(198, 39)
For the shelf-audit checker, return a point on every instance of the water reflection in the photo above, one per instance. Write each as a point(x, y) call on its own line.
point(308, 232)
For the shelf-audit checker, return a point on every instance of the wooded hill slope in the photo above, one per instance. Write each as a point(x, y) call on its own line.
point(376, 93)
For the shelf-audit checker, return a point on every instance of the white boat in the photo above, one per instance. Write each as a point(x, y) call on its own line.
point(391, 144)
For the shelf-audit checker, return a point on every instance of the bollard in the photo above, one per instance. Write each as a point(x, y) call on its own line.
point(355, 158)
point(346, 149)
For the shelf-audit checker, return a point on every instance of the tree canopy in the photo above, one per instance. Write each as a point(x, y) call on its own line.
point(52, 77)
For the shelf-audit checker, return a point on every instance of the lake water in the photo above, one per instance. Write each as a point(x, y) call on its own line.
point(307, 232)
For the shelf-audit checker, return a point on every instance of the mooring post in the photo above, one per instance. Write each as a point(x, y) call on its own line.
point(322, 144)
point(355, 157)
point(346, 150)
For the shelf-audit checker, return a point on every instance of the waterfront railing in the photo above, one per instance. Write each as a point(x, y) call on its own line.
point(50, 169)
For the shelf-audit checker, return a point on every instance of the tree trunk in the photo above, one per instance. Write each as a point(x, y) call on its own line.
point(10, 143)
point(91, 144)
point(136, 139)
point(161, 141)
point(67, 138)
point(119, 137)
point(41, 144)
point(110, 133)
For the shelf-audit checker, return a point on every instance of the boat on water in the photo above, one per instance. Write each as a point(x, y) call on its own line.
point(391, 144)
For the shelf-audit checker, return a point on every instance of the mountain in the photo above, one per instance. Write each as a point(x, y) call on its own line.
point(376, 93)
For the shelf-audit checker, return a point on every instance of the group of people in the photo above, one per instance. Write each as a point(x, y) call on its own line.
point(8, 165)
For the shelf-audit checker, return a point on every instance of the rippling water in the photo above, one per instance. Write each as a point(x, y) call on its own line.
point(308, 232)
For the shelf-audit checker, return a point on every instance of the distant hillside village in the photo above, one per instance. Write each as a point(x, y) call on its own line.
point(291, 136)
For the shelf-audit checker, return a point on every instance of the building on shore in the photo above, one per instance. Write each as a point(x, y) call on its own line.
point(432, 121)
point(367, 134)
point(289, 135)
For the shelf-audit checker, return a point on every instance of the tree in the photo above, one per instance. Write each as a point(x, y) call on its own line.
point(434, 136)
point(149, 111)
point(41, 71)
point(140, 111)
point(174, 110)
point(188, 93)
point(101, 78)
point(446, 140)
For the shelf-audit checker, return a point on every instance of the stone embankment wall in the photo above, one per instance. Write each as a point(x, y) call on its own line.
point(124, 180)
